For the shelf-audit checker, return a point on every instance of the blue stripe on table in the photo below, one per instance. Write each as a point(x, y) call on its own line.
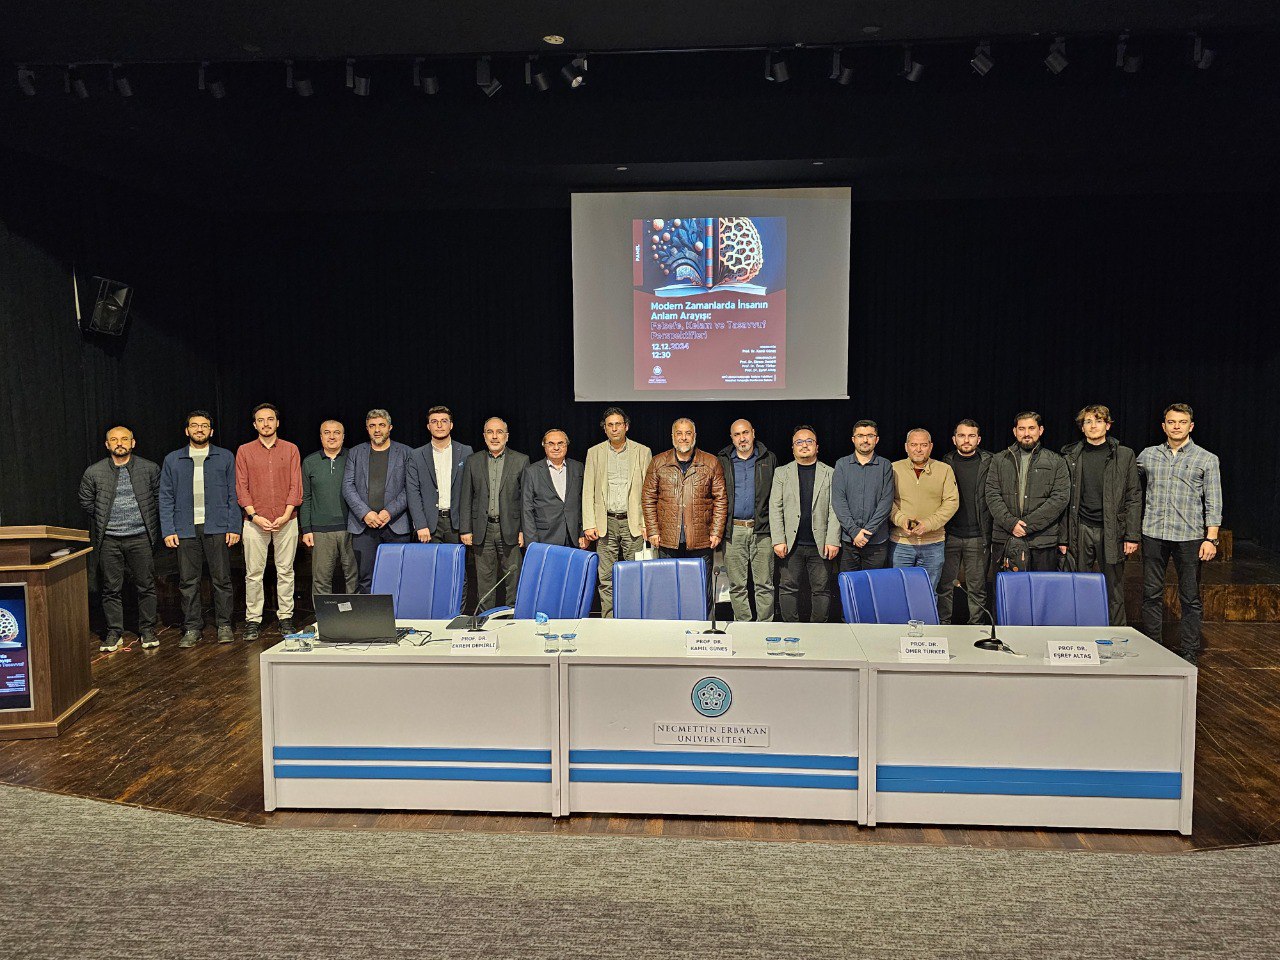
point(799, 761)
point(722, 778)
point(1030, 782)
point(411, 754)
point(315, 771)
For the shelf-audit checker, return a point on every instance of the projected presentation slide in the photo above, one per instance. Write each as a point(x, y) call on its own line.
point(710, 302)
point(711, 295)
point(15, 684)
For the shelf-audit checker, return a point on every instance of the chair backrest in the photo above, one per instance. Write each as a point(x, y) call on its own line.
point(892, 595)
point(558, 581)
point(1048, 599)
point(660, 589)
point(426, 580)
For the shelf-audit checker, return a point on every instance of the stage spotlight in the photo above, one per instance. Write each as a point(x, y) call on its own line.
point(73, 82)
point(1057, 60)
point(297, 80)
point(428, 83)
point(911, 69)
point(484, 72)
point(840, 73)
point(492, 87)
point(1201, 55)
point(1132, 63)
point(1122, 46)
point(27, 81)
point(775, 68)
point(982, 62)
point(120, 80)
point(574, 72)
point(538, 78)
point(358, 80)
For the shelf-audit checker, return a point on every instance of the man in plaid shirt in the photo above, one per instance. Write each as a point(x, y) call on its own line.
point(1181, 519)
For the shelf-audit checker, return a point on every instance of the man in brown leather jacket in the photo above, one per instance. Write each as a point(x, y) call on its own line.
point(684, 499)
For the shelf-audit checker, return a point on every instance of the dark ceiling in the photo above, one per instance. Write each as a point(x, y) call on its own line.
point(62, 31)
point(670, 119)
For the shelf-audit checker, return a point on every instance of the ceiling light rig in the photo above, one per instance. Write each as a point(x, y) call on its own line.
point(358, 80)
point(575, 72)
point(841, 73)
point(297, 80)
point(27, 81)
point(535, 76)
point(1201, 55)
point(73, 82)
point(982, 62)
point(1057, 60)
point(119, 80)
point(424, 79)
point(775, 67)
point(485, 79)
point(912, 69)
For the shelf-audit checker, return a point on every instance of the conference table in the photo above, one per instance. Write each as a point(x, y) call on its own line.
point(632, 722)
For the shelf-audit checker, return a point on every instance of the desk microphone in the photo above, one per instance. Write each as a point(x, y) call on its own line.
point(992, 642)
point(475, 621)
point(715, 592)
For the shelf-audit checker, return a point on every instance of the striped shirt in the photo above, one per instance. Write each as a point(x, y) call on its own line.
point(1184, 492)
point(126, 516)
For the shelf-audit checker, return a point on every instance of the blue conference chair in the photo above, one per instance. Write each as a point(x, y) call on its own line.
point(425, 580)
point(557, 581)
point(660, 589)
point(892, 595)
point(1048, 599)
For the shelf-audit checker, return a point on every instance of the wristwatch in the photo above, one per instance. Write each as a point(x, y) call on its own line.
point(1213, 540)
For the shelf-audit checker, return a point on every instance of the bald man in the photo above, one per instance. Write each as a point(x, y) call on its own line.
point(748, 549)
point(925, 497)
point(119, 493)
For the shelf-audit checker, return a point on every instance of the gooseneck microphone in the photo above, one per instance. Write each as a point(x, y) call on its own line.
point(475, 621)
point(715, 592)
point(992, 642)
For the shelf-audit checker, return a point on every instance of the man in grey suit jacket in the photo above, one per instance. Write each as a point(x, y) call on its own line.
point(434, 480)
point(551, 494)
point(374, 487)
point(805, 529)
point(491, 512)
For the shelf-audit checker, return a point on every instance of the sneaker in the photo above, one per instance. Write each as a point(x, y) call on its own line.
point(149, 640)
point(111, 642)
point(189, 639)
point(251, 630)
point(287, 627)
point(225, 634)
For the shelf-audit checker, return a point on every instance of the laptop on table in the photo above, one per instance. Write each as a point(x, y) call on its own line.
point(356, 618)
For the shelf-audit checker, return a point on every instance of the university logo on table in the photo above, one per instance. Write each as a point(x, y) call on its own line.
point(712, 697)
point(8, 626)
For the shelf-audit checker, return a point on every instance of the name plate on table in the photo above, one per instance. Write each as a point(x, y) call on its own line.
point(475, 643)
point(712, 734)
point(1072, 651)
point(914, 649)
point(708, 645)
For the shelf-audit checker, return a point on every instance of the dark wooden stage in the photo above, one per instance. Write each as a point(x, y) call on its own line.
point(178, 730)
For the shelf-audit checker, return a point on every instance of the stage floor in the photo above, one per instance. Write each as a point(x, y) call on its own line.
point(178, 730)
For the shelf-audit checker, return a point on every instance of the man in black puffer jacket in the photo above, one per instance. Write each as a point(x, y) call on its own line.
point(119, 493)
point(1027, 491)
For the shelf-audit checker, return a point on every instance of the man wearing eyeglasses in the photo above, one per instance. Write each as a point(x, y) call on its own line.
point(805, 531)
point(433, 477)
point(1181, 520)
point(1103, 522)
point(862, 495)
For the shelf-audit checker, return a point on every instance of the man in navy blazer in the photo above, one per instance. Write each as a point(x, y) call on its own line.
point(434, 479)
point(374, 488)
point(551, 495)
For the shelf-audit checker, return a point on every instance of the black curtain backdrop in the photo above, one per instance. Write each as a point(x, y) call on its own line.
point(958, 308)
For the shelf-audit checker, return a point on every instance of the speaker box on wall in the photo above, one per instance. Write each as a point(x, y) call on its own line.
point(110, 307)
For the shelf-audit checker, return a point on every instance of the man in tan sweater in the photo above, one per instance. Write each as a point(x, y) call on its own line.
point(925, 497)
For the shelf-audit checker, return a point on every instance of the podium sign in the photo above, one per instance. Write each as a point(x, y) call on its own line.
point(15, 665)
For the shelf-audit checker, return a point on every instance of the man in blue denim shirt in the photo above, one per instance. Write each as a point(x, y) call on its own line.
point(1181, 519)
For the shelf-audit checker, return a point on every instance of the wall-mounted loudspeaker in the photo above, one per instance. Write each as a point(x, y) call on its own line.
point(110, 307)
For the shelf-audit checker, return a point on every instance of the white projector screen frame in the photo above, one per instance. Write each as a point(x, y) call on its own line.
point(817, 234)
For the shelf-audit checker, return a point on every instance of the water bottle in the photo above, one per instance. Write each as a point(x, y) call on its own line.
point(541, 620)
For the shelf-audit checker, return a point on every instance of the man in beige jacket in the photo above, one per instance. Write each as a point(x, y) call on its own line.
point(612, 516)
point(925, 497)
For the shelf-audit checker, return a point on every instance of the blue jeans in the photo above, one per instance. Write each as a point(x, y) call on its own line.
point(927, 555)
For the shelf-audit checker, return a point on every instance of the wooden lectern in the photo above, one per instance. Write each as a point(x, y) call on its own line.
point(54, 594)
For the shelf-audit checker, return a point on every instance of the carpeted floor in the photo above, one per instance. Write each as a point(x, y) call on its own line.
point(85, 879)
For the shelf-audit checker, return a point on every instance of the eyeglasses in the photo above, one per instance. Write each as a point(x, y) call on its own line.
point(803, 443)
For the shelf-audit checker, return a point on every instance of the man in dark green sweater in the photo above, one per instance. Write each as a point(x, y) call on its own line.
point(323, 517)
